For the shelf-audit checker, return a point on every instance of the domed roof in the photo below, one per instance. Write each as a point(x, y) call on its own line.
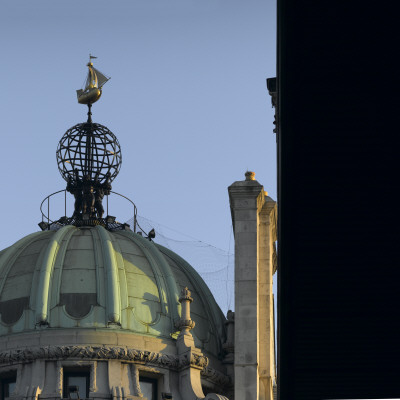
point(89, 277)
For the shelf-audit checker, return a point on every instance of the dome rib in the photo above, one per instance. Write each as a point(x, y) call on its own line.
point(91, 278)
point(123, 285)
point(112, 279)
point(100, 274)
point(46, 272)
point(55, 283)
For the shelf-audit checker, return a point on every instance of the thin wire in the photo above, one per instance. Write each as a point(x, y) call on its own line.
point(181, 233)
point(218, 259)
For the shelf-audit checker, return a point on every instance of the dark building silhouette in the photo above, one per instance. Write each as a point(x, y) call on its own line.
point(338, 275)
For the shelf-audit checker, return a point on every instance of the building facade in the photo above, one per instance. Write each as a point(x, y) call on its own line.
point(98, 314)
point(90, 309)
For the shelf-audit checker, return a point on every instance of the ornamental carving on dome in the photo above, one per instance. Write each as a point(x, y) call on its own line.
point(101, 353)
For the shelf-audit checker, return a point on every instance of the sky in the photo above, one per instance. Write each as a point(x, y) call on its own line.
point(187, 101)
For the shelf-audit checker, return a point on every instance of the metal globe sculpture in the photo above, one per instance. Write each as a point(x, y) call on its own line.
point(89, 150)
point(88, 158)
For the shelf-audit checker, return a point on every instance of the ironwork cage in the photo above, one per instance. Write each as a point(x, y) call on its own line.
point(89, 150)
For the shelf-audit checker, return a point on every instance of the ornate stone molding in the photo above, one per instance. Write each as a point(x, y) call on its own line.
point(215, 377)
point(185, 323)
point(194, 360)
point(101, 353)
point(89, 352)
point(63, 353)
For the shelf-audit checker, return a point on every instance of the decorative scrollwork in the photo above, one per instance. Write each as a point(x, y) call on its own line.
point(120, 353)
point(195, 360)
point(101, 353)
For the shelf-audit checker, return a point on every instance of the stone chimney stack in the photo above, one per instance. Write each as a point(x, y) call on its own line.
point(254, 226)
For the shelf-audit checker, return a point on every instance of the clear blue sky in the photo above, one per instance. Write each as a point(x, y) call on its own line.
point(187, 100)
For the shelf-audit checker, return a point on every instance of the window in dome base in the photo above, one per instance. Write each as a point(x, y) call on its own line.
point(148, 387)
point(206, 390)
point(7, 384)
point(76, 383)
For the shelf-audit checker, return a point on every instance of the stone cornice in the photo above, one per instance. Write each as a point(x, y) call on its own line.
point(249, 190)
point(94, 353)
point(245, 195)
point(103, 353)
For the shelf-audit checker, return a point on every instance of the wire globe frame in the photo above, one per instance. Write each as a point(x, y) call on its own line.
point(91, 149)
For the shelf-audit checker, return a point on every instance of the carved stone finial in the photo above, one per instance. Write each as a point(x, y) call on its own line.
point(250, 176)
point(185, 324)
point(185, 295)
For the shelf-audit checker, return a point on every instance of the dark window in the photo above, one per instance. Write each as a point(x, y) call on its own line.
point(148, 387)
point(76, 383)
point(206, 390)
point(7, 384)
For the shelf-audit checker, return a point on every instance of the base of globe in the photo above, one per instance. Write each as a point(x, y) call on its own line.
point(108, 223)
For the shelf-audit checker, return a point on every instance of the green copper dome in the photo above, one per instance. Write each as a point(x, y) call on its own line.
point(90, 278)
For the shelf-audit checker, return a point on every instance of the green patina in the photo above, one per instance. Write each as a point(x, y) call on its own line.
point(46, 273)
point(123, 280)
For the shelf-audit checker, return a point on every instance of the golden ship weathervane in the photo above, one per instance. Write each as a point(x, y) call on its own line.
point(93, 85)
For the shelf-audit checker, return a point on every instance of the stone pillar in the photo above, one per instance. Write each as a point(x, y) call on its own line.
point(266, 269)
point(115, 380)
point(190, 357)
point(35, 374)
point(185, 324)
point(136, 384)
point(253, 279)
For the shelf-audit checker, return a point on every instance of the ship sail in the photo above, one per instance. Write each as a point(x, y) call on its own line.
point(101, 78)
point(93, 86)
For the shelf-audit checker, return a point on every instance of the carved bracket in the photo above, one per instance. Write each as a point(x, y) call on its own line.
point(216, 377)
